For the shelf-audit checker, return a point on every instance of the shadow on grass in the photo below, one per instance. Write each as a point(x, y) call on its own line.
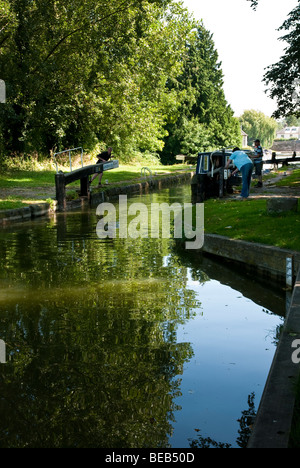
point(26, 179)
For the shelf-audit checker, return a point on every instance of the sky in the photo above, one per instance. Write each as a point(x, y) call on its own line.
point(247, 43)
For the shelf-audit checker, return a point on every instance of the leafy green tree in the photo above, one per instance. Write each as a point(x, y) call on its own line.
point(283, 77)
point(205, 120)
point(119, 73)
point(145, 102)
point(289, 121)
point(257, 125)
point(7, 20)
point(84, 73)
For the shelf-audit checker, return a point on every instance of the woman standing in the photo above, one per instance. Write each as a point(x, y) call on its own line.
point(243, 164)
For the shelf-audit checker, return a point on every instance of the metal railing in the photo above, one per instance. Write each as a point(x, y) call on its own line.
point(144, 171)
point(70, 159)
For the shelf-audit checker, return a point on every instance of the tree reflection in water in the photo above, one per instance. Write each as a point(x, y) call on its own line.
point(246, 422)
point(90, 328)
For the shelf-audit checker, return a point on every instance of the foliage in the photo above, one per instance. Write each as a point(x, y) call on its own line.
point(290, 121)
point(284, 76)
point(88, 72)
point(204, 120)
point(101, 73)
point(207, 442)
point(257, 125)
point(7, 19)
point(246, 422)
point(254, 3)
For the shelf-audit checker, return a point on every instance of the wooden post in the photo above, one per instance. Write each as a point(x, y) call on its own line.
point(198, 188)
point(221, 183)
point(84, 186)
point(60, 191)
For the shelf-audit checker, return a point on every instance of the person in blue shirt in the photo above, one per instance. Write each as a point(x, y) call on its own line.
point(243, 164)
point(258, 162)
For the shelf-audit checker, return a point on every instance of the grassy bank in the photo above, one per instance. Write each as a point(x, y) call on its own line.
point(250, 221)
point(12, 179)
point(19, 187)
point(293, 180)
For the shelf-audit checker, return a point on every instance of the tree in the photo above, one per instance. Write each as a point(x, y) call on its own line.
point(293, 121)
point(254, 3)
point(257, 125)
point(204, 120)
point(283, 77)
point(86, 73)
point(7, 20)
point(146, 102)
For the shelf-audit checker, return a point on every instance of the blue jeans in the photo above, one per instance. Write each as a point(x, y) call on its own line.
point(246, 171)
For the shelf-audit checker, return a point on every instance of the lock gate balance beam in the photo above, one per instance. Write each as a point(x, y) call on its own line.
point(63, 179)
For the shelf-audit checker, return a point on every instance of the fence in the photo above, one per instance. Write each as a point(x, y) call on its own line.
point(70, 159)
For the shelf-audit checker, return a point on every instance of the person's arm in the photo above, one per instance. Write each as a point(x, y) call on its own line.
point(227, 167)
point(258, 153)
point(228, 163)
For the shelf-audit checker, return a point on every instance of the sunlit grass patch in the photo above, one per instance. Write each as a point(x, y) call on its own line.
point(11, 203)
point(292, 180)
point(250, 221)
point(26, 179)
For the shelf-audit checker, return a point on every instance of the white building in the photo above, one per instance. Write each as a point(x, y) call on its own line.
point(289, 132)
point(244, 138)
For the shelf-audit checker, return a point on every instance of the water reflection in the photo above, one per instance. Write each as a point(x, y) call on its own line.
point(92, 328)
point(246, 422)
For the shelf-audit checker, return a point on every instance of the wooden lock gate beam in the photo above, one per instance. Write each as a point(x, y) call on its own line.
point(63, 179)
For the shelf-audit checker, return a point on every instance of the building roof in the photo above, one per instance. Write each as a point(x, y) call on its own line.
point(290, 129)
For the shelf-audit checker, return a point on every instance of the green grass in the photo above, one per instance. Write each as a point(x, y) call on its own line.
point(133, 172)
point(14, 202)
point(26, 179)
point(34, 180)
point(292, 180)
point(250, 221)
point(11, 204)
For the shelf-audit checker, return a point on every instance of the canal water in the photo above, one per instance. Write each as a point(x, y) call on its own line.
point(128, 343)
